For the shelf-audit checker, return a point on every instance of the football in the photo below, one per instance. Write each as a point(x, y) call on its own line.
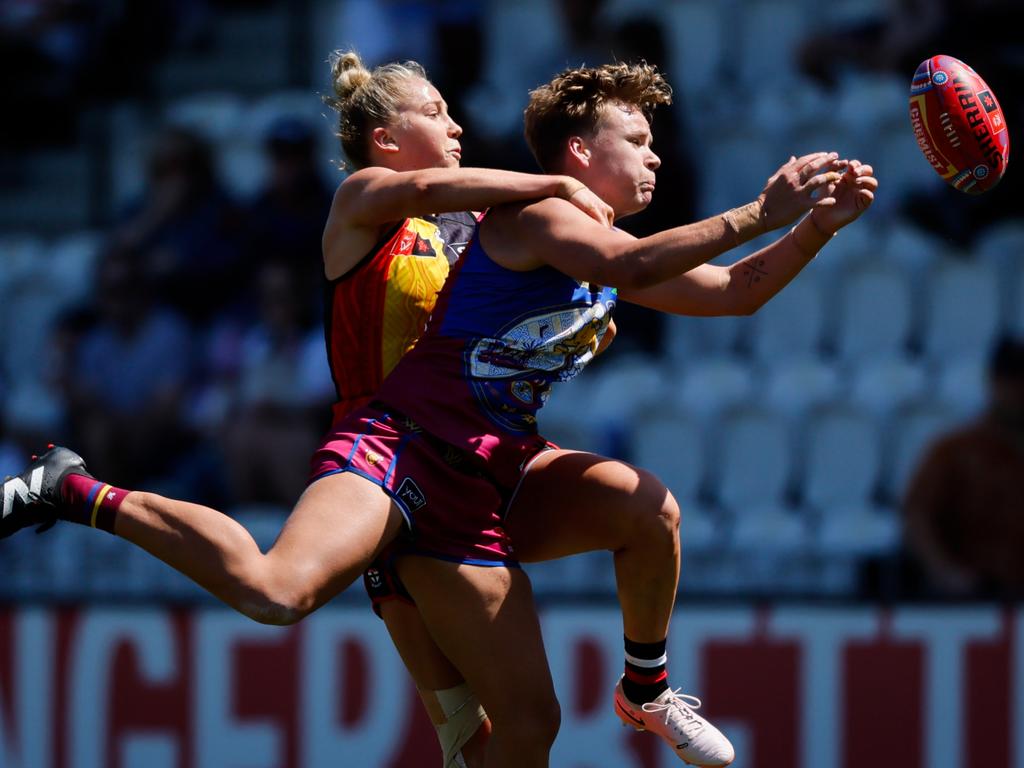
point(959, 124)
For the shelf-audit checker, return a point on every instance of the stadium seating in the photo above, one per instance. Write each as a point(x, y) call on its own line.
point(961, 314)
point(874, 314)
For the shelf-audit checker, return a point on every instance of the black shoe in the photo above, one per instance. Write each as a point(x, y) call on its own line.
point(32, 497)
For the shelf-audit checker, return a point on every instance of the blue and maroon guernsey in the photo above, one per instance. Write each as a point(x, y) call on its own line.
point(497, 341)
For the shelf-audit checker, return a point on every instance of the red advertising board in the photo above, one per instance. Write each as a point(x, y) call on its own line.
point(795, 686)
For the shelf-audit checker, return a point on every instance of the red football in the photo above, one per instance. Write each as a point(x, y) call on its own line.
point(959, 124)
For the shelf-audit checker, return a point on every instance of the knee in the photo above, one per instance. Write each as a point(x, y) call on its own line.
point(658, 512)
point(536, 727)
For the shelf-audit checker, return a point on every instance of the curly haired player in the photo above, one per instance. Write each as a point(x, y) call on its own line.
point(449, 446)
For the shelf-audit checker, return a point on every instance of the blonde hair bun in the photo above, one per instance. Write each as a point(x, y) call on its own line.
point(348, 74)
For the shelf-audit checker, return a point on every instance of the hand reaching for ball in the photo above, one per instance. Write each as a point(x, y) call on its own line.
point(847, 198)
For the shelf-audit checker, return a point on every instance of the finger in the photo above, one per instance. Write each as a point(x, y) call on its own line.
point(867, 182)
point(821, 180)
point(864, 170)
point(830, 162)
point(800, 162)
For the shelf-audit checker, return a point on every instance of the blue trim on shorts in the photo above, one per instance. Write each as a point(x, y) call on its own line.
point(461, 560)
point(394, 459)
point(409, 522)
point(358, 440)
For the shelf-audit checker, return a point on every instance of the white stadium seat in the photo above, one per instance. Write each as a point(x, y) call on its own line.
point(874, 314)
point(215, 116)
point(793, 387)
point(841, 453)
point(963, 386)
point(753, 460)
point(911, 435)
point(961, 316)
point(712, 385)
point(885, 385)
point(790, 325)
point(858, 530)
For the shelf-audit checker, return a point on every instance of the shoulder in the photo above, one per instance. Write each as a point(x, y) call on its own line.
point(528, 217)
point(356, 183)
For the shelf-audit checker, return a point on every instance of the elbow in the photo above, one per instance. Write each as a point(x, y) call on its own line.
point(635, 276)
point(747, 308)
point(420, 185)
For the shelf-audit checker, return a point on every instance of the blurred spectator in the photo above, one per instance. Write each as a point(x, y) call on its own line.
point(964, 507)
point(59, 56)
point(279, 393)
point(44, 48)
point(286, 220)
point(185, 228)
point(124, 378)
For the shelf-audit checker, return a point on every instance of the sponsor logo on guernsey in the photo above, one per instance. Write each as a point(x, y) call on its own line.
point(411, 495)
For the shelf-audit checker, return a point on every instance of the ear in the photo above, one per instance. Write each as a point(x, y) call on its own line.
point(384, 140)
point(579, 152)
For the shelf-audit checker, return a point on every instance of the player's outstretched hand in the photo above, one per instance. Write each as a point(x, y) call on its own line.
point(797, 186)
point(848, 199)
point(592, 205)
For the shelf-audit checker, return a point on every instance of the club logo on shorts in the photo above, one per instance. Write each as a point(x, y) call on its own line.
point(411, 494)
point(373, 458)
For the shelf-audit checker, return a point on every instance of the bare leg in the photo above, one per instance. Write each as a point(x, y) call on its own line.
point(572, 502)
point(429, 668)
point(332, 534)
point(485, 621)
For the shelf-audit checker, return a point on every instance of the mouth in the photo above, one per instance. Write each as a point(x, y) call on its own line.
point(456, 151)
point(647, 186)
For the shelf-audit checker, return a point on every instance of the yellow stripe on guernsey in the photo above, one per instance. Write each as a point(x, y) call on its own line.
point(96, 504)
point(412, 286)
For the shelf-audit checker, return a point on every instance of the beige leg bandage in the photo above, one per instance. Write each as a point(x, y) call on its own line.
point(456, 714)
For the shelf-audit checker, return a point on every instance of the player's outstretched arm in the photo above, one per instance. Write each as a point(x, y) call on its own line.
point(743, 287)
point(788, 194)
point(374, 197)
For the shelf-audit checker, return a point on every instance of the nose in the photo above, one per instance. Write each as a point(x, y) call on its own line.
point(454, 129)
point(653, 161)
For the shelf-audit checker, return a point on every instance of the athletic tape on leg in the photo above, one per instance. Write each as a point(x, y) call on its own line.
point(456, 715)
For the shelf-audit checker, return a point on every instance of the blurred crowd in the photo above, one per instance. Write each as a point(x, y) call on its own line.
point(191, 361)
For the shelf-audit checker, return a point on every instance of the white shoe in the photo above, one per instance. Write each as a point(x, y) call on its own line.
point(671, 716)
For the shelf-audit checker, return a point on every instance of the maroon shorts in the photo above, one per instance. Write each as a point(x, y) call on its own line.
point(452, 509)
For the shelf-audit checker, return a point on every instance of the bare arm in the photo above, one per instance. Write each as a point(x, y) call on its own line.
point(372, 198)
point(740, 288)
point(745, 286)
point(551, 232)
point(524, 237)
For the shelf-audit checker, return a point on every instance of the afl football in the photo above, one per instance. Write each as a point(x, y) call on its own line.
point(959, 124)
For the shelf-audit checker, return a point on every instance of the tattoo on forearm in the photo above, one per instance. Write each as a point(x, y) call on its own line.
point(754, 270)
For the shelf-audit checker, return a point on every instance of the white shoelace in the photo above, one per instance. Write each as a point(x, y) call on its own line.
point(684, 702)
